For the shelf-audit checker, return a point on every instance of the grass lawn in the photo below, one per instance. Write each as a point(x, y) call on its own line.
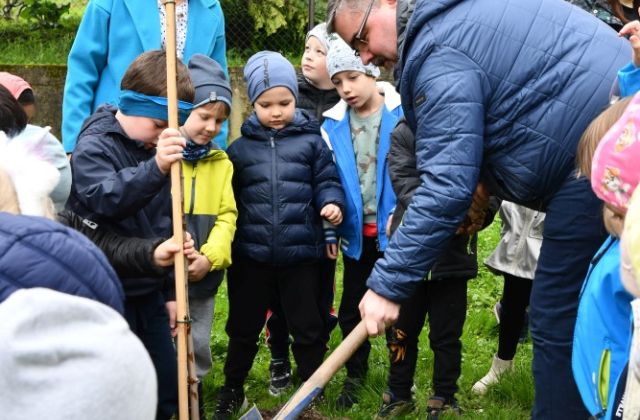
point(509, 400)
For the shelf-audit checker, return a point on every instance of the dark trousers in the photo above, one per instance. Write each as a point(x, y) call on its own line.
point(278, 340)
point(515, 299)
point(148, 319)
point(252, 288)
point(445, 301)
point(354, 286)
point(573, 231)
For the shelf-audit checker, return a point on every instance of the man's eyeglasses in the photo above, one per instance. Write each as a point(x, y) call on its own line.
point(357, 40)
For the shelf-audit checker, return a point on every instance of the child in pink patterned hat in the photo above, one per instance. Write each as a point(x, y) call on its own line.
point(615, 171)
point(21, 90)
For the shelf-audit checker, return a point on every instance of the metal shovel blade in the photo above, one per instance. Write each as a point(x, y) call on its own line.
point(252, 414)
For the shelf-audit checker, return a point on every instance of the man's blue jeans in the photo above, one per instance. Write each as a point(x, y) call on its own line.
point(573, 232)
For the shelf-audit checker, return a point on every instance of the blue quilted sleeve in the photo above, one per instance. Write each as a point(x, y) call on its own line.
point(448, 104)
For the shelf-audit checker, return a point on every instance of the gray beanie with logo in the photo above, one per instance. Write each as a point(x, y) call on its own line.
point(72, 358)
point(266, 70)
point(209, 81)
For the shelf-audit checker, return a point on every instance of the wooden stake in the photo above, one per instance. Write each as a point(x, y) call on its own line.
point(187, 381)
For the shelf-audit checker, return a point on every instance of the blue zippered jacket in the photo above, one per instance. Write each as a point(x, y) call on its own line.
point(602, 335)
point(281, 181)
point(117, 184)
point(498, 91)
point(36, 252)
point(336, 130)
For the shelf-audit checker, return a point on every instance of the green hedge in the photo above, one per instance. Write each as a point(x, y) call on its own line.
point(275, 28)
point(23, 44)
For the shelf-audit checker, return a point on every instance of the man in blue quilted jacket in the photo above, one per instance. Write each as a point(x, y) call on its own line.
point(497, 92)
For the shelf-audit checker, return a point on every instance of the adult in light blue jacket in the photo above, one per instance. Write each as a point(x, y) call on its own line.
point(112, 34)
point(497, 91)
point(337, 131)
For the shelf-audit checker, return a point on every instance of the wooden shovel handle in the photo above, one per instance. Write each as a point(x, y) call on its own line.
point(316, 383)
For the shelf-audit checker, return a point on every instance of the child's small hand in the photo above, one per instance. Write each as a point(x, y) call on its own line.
point(169, 149)
point(172, 309)
point(189, 245)
point(163, 255)
point(332, 213)
point(332, 251)
point(632, 30)
point(199, 266)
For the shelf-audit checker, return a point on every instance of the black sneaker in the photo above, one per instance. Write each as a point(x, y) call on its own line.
point(393, 407)
point(348, 396)
point(230, 401)
point(280, 371)
point(439, 405)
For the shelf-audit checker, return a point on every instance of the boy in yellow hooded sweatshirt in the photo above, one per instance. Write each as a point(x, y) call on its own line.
point(209, 205)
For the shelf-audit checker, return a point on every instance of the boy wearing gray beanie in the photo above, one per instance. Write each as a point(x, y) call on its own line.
point(209, 204)
point(285, 184)
point(316, 91)
point(359, 131)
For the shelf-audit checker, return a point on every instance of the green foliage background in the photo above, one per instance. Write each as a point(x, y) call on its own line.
point(45, 30)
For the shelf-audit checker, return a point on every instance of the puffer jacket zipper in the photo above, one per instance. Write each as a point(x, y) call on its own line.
point(274, 196)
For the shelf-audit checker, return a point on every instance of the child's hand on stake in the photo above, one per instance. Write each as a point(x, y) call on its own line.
point(332, 213)
point(172, 309)
point(169, 149)
point(163, 255)
point(332, 251)
point(189, 245)
point(632, 31)
point(199, 266)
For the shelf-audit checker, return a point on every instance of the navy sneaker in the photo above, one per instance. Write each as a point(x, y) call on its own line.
point(230, 402)
point(439, 405)
point(393, 407)
point(280, 371)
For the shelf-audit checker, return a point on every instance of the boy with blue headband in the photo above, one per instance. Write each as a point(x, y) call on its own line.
point(120, 180)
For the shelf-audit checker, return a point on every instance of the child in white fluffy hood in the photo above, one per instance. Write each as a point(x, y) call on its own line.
point(33, 178)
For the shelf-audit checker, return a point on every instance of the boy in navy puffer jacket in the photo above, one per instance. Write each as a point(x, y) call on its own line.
point(285, 183)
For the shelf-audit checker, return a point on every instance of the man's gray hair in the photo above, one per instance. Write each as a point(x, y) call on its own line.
point(334, 6)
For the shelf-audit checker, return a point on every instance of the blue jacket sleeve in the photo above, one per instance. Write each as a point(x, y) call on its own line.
point(327, 188)
point(110, 192)
point(629, 80)
point(448, 104)
point(87, 59)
